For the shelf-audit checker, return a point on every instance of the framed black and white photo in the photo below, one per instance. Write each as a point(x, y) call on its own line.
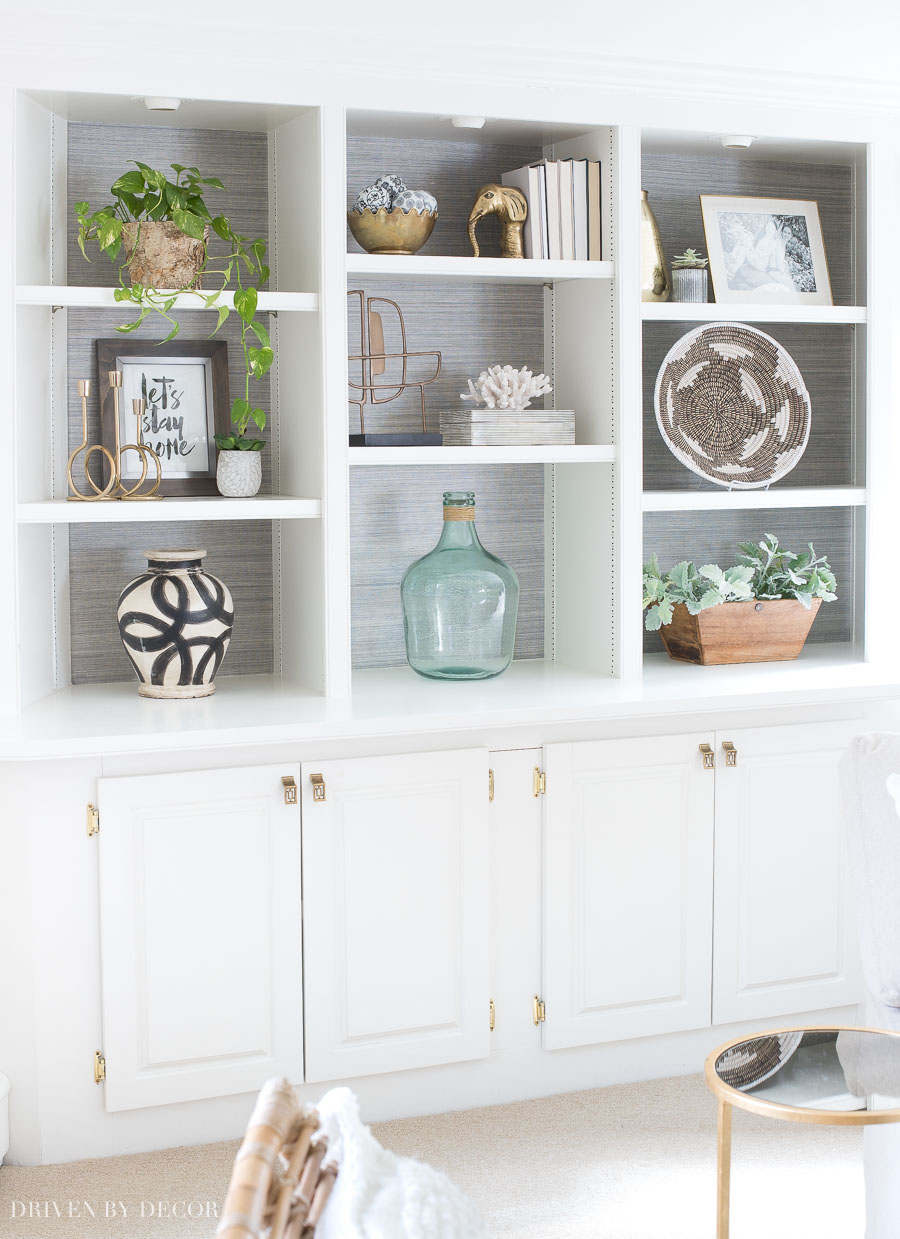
point(765, 249)
point(185, 386)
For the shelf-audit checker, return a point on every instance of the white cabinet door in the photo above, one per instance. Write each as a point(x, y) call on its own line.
point(628, 839)
point(784, 936)
point(200, 921)
point(395, 913)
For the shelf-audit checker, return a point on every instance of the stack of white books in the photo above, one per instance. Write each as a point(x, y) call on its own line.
point(563, 208)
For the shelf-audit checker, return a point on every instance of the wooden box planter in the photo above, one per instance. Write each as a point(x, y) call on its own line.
point(739, 632)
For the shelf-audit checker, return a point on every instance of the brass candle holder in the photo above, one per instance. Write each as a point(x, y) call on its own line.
point(85, 388)
point(115, 488)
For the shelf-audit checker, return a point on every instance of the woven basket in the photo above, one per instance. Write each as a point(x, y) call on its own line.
point(747, 1065)
point(731, 404)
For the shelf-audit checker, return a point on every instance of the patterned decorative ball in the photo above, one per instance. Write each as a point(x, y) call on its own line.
point(415, 200)
point(393, 183)
point(373, 197)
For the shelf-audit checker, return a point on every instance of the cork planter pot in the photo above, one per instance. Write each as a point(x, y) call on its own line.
point(757, 631)
point(160, 255)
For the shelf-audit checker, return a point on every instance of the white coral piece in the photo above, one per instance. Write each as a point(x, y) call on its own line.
point(502, 387)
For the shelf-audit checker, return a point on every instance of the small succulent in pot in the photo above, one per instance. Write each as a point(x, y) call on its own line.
point(690, 279)
point(689, 260)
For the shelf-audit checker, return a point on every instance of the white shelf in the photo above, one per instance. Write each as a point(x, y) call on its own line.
point(484, 270)
point(738, 500)
point(112, 718)
point(551, 454)
point(104, 298)
point(691, 312)
point(202, 508)
point(824, 670)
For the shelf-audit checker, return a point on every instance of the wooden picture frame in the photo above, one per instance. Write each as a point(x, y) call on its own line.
point(767, 250)
point(186, 388)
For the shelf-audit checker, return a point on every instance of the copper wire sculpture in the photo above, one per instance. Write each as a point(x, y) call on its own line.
point(372, 359)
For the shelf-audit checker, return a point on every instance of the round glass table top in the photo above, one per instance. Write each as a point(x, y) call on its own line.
point(851, 1071)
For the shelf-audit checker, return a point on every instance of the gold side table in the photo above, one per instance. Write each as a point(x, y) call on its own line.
point(838, 1075)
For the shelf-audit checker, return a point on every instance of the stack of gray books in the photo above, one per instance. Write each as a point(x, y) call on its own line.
point(501, 427)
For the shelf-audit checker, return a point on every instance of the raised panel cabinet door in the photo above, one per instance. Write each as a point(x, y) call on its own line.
point(784, 932)
point(627, 906)
point(200, 934)
point(395, 912)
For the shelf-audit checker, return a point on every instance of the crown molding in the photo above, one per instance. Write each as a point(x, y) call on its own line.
point(320, 54)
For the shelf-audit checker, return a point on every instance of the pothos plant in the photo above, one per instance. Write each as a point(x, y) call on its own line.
point(765, 571)
point(146, 195)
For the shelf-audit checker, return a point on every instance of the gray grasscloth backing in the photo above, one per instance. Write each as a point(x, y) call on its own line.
point(102, 559)
point(713, 537)
point(834, 456)
point(473, 325)
point(396, 517)
point(452, 171)
point(675, 182)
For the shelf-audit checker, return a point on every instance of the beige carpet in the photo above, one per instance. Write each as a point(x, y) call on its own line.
point(631, 1162)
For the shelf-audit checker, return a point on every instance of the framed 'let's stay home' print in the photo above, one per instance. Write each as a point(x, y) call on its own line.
point(185, 390)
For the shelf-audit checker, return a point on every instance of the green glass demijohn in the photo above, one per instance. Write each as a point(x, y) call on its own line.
point(459, 602)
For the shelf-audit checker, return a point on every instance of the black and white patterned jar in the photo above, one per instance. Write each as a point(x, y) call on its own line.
point(175, 621)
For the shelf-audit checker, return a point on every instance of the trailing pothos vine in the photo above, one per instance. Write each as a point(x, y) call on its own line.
point(147, 195)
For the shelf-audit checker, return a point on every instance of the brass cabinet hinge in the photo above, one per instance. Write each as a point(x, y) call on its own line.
point(99, 1067)
point(538, 782)
point(538, 1010)
point(92, 821)
point(318, 786)
point(290, 789)
point(730, 753)
point(490, 785)
point(709, 757)
point(493, 1015)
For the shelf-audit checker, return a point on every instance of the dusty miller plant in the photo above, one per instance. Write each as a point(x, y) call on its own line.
point(782, 574)
point(765, 571)
point(697, 588)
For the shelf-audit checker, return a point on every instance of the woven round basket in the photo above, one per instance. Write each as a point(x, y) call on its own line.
point(746, 1065)
point(731, 404)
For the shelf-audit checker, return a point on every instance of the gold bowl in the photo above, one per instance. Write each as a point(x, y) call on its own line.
point(391, 232)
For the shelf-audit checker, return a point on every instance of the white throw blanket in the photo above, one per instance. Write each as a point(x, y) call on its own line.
point(378, 1195)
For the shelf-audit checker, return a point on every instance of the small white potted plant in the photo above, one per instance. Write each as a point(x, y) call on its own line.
point(239, 466)
point(689, 276)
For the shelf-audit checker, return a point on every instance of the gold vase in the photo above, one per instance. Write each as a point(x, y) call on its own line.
point(656, 283)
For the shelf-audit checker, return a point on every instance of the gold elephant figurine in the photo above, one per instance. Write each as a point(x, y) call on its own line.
point(511, 206)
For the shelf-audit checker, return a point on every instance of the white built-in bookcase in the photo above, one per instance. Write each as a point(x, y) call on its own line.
point(596, 502)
